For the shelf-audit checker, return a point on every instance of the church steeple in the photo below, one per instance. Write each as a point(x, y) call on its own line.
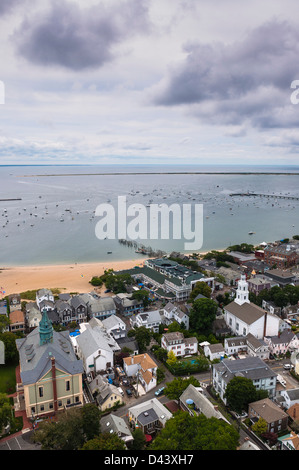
point(45, 329)
point(242, 294)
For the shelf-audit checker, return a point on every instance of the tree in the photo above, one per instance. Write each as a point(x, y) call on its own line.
point(172, 359)
point(200, 288)
point(91, 421)
point(105, 441)
point(239, 392)
point(4, 323)
point(161, 354)
point(160, 374)
point(202, 315)
point(139, 440)
point(271, 437)
point(142, 295)
point(11, 352)
point(71, 430)
point(117, 282)
point(183, 432)
point(142, 336)
point(96, 281)
point(5, 411)
point(260, 427)
point(173, 390)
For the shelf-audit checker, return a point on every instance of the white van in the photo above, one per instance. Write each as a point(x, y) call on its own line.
point(120, 391)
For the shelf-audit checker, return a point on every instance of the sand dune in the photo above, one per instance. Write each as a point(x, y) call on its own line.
point(69, 278)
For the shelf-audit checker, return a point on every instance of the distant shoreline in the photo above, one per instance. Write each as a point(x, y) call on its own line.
point(237, 173)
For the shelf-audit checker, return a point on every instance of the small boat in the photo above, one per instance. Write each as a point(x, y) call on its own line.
point(109, 252)
point(251, 232)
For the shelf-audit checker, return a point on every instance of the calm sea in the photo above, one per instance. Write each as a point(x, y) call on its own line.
point(54, 220)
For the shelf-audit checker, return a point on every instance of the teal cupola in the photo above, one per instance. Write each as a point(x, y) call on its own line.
point(45, 329)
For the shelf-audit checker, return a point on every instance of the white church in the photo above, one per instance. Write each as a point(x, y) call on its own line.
point(243, 317)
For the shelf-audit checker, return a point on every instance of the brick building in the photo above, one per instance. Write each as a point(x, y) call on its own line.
point(281, 256)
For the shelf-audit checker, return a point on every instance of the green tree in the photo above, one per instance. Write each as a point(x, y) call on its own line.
point(4, 323)
point(117, 282)
point(105, 441)
point(239, 392)
point(160, 374)
point(71, 429)
point(183, 432)
point(91, 421)
point(200, 288)
point(96, 281)
point(161, 354)
point(260, 427)
point(5, 411)
point(172, 359)
point(173, 390)
point(142, 295)
point(11, 352)
point(202, 315)
point(139, 440)
point(142, 336)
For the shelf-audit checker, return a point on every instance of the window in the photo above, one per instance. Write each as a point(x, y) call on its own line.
point(67, 385)
point(40, 392)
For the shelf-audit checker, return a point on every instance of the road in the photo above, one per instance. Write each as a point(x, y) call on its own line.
point(21, 442)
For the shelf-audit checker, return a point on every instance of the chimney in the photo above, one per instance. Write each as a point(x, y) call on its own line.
point(53, 369)
point(265, 324)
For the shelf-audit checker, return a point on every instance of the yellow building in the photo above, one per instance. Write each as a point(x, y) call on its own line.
point(50, 374)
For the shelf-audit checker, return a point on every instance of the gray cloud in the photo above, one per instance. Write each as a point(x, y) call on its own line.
point(246, 80)
point(78, 38)
point(6, 6)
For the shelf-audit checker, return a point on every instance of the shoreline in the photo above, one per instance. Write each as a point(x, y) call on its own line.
point(70, 277)
point(73, 277)
point(249, 173)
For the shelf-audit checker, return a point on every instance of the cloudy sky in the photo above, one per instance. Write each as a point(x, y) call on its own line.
point(149, 81)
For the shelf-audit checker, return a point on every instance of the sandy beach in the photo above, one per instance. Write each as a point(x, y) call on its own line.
point(68, 278)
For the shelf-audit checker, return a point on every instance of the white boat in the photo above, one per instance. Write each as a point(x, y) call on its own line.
point(251, 232)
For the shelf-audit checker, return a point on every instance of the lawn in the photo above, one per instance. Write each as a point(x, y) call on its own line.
point(7, 378)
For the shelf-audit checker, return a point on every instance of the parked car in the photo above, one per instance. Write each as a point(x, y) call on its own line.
point(242, 415)
point(128, 392)
point(288, 366)
point(159, 392)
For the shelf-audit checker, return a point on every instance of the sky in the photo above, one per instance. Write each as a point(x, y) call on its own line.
point(149, 81)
